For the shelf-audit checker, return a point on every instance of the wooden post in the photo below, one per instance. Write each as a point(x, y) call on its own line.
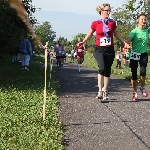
point(44, 104)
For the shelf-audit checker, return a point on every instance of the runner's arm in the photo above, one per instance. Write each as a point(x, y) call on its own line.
point(118, 36)
point(129, 39)
point(88, 36)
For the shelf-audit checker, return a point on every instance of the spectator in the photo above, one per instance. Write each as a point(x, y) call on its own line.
point(26, 50)
point(118, 57)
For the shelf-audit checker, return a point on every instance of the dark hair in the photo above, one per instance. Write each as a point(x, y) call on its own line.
point(142, 14)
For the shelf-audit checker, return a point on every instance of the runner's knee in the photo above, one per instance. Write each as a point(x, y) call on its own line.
point(142, 71)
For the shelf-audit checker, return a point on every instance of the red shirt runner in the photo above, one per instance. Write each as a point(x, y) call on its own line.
point(101, 40)
point(79, 49)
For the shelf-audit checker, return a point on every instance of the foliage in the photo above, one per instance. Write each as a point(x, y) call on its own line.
point(21, 92)
point(125, 23)
point(45, 33)
point(135, 7)
point(12, 27)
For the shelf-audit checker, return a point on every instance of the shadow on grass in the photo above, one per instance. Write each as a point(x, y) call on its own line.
point(13, 76)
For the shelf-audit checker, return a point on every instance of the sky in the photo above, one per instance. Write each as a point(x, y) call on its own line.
point(70, 17)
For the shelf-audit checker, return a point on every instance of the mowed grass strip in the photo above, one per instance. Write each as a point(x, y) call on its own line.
point(21, 104)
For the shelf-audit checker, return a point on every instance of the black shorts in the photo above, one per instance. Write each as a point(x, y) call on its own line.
point(63, 56)
point(58, 57)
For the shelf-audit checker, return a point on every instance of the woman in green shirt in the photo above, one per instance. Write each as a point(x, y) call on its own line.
point(140, 40)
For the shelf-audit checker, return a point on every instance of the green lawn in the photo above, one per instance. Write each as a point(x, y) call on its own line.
point(122, 73)
point(21, 104)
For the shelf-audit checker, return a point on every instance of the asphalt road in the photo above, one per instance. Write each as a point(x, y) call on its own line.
point(120, 124)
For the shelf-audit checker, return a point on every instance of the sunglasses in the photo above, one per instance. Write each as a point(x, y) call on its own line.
point(107, 10)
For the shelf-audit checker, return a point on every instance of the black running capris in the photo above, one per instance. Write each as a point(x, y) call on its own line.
point(104, 57)
point(143, 64)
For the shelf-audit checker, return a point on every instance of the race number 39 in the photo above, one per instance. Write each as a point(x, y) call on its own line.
point(135, 55)
point(105, 41)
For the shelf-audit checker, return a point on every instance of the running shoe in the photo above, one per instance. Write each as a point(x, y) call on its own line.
point(26, 68)
point(144, 93)
point(105, 95)
point(100, 95)
point(134, 97)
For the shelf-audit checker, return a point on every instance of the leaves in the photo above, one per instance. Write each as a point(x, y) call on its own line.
point(12, 26)
point(21, 92)
point(45, 33)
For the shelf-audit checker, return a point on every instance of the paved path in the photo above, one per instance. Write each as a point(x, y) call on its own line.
point(90, 125)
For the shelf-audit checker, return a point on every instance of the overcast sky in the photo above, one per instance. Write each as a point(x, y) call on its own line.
point(74, 16)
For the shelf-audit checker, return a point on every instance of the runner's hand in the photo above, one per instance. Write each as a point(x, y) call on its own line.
point(126, 45)
point(80, 43)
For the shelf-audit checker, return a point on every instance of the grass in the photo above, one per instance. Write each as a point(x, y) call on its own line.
point(21, 104)
point(122, 73)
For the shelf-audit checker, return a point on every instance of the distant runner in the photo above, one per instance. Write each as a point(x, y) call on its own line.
point(80, 54)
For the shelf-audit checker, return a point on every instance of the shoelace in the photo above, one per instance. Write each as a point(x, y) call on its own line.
point(105, 94)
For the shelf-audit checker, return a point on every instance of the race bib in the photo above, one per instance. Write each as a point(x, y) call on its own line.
point(59, 52)
point(135, 55)
point(79, 50)
point(105, 41)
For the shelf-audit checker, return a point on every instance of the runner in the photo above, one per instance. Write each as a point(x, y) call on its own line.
point(63, 59)
point(104, 47)
point(72, 56)
point(79, 50)
point(59, 49)
point(139, 38)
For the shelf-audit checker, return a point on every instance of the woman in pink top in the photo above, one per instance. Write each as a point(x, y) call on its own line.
point(104, 52)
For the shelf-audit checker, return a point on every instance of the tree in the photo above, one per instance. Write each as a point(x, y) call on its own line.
point(45, 33)
point(11, 27)
point(125, 23)
point(139, 6)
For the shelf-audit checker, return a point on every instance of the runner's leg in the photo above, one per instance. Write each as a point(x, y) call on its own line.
point(108, 61)
point(134, 66)
point(143, 64)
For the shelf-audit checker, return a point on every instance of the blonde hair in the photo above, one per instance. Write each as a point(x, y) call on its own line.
point(101, 7)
